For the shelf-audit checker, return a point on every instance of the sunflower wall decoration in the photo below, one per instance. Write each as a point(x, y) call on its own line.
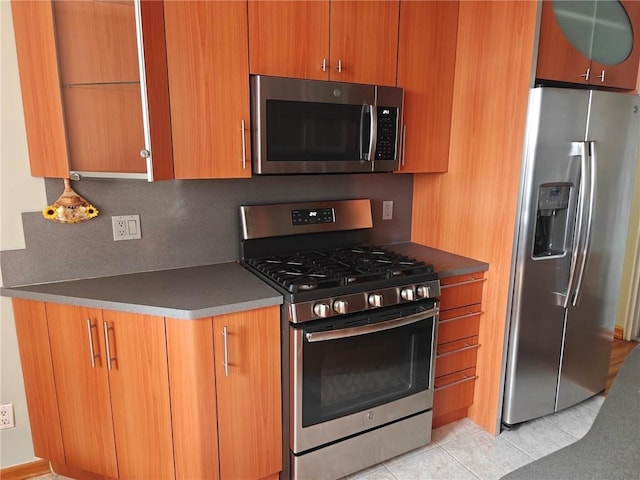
point(70, 207)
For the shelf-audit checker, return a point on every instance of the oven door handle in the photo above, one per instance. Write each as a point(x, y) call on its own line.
point(365, 329)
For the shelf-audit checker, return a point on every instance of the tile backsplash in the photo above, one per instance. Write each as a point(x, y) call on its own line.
point(183, 222)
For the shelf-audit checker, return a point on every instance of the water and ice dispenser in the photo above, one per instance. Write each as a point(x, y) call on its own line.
point(551, 220)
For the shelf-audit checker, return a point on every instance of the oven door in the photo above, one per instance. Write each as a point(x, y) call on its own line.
point(354, 373)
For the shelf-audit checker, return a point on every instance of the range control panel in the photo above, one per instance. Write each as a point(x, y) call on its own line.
point(312, 216)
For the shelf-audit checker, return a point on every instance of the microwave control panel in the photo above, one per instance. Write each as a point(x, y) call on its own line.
point(387, 133)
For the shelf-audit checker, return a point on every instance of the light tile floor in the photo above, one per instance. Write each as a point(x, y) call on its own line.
point(464, 451)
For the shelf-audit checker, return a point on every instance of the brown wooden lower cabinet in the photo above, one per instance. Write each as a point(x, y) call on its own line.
point(457, 347)
point(225, 378)
point(121, 395)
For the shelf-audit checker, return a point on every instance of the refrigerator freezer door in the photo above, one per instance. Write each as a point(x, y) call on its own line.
point(556, 127)
point(614, 129)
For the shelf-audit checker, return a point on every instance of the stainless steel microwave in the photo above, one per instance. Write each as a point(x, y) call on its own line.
point(314, 126)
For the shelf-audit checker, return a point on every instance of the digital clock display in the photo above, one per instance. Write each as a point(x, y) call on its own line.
point(312, 216)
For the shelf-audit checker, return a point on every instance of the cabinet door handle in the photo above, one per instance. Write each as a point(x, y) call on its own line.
point(323, 65)
point(339, 67)
point(225, 335)
point(601, 76)
point(244, 146)
point(92, 352)
point(107, 345)
point(586, 74)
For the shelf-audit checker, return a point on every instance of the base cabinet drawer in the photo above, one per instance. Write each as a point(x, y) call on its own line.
point(460, 291)
point(457, 346)
point(453, 392)
point(459, 323)
point(456, 356)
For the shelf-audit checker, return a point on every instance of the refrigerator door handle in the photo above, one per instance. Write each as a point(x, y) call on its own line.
point(577, 148)
point(587, 230)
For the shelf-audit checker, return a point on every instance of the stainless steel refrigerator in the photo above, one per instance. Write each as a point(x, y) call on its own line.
point(581, 151)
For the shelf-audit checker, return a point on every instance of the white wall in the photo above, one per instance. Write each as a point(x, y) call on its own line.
point(19, 192)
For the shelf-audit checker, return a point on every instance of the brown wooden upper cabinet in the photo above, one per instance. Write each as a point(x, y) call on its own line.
point(94, 107)
point(426, 64)
point(207, 56)
point(594, 42)
point(348, 41)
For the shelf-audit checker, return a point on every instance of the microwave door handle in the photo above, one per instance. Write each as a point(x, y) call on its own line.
point(373, 132)
point(367, 144)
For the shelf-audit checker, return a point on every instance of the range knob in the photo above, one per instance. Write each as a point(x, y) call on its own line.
point(423, 291)
point(321, 309)
point(340, 306)
point(408, 294)
point(375, 300)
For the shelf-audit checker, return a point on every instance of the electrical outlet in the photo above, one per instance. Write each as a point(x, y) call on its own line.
point(387, 209)
point(7, 419)
point(126, 227)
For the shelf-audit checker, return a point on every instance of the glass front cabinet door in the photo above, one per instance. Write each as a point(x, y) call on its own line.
point(591, 42)
point(106, 88)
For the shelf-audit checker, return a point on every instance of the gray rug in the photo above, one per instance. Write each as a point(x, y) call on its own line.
point(611, 448)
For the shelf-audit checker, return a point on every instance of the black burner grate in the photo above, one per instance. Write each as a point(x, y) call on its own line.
point(337, 267)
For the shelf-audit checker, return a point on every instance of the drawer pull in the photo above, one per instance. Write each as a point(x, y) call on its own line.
point(460, 317)
point(468, 346)
point(466, 282)
point(457, 382)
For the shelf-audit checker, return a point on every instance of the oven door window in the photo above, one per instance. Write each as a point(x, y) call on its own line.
point(347, 375)
point(308, 131)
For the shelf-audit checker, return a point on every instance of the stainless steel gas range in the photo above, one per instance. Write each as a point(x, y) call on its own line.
point(358, 335)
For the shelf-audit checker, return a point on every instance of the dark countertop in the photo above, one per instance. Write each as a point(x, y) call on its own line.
point(445, 263)
point(196, 292)
point(186, 293)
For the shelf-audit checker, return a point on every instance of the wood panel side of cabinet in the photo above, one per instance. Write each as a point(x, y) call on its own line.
point(208, 63)
point(426, 62)
point(140, 398)
point(37, 372)
point(557, 58)
point(40, 85)
point(477, 197)
point(364, 39)
point(82, 388)
point(193, 398)
point(289, 39)
point(249, 397)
